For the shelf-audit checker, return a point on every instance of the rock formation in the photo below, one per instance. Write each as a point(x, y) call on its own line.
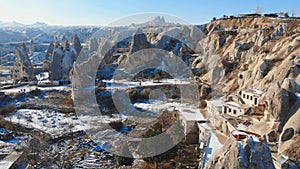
point(76, 44)
point(31, 48)
point(139, 42)
point(62, 61)
point(23, 69)
point(48, 56)
point(252, 155)
point(226, 56)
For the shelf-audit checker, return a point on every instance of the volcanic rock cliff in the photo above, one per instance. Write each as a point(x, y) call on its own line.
point(226, 56)
point(235, 155)
point(261, 53)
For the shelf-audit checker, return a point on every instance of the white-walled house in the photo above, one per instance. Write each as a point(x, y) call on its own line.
point(189, 121)
point(235, 109)
point(252, 96)
point(215, 106)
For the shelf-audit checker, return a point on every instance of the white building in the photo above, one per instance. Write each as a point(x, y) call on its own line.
point(215, 106)
point(235, 109)
point(252, 96)
point(189, 121)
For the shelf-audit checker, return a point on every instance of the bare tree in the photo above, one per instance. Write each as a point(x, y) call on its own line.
point(34, 146)
point(62, 160)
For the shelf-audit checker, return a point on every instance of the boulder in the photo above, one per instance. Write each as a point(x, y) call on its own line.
point(259, 154)
point(116, 124)
point(297, 60)
point(278, 102)
point(290, 85)
point(264, 68)
point(297, 79)
point(290, 129)
point(246, 46)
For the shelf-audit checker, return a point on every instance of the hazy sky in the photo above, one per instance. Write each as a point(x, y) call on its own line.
point(103, 12)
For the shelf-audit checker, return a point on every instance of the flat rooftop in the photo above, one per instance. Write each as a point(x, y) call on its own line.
point(254, 91)
point(217, 103)
point(194, 115)
point(234, 104)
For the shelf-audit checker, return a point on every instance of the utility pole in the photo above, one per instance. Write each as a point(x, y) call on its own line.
point(258, 10)
point(293, 12)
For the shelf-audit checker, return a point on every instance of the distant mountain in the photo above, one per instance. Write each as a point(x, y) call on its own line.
point(21, 25)
point(11, 24)
point(38, 25)
point(157, 21)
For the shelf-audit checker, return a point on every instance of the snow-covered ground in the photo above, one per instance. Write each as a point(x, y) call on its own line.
point(43, 79)
point(7, 82)
point(28, 88)
point(55, 123)
point(50, 122)
point(124, 84)
point(156, 107)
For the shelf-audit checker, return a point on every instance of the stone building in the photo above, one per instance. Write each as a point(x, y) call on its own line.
point(188, 120)
point(191, 128)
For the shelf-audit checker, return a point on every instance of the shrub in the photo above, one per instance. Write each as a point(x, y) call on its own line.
point(128, 159)
point(9, 109)
point(35, 92)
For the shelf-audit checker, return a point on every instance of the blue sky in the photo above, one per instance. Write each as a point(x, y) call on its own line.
point(103, 12)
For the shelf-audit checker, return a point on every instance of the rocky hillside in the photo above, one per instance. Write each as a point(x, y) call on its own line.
point(226, 56)
point(261, 53)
